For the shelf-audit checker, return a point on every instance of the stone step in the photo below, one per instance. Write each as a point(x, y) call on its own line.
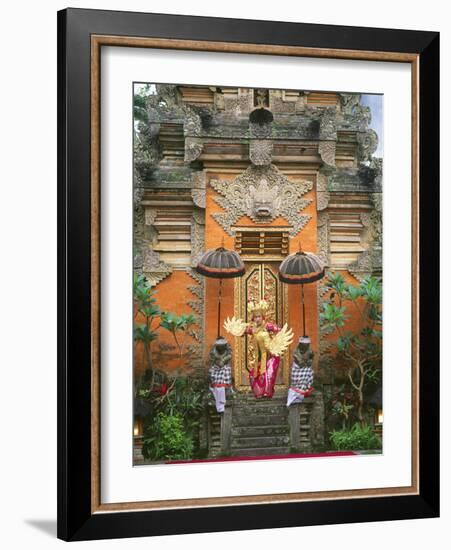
point(259, 409)
point(268, 441)
point(261, 451)
point(258, 420)
point(256, 431)
point(262, 400)
point(251, 397)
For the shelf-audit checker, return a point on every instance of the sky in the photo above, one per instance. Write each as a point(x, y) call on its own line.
point(375, 103)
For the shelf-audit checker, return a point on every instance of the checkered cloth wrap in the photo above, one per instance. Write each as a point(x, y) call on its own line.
point(220, 376)
point(301, 377)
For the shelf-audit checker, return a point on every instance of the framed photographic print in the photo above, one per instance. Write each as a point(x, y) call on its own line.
point(248, 274)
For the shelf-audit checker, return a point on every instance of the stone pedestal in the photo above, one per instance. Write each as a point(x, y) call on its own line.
point(299, 420)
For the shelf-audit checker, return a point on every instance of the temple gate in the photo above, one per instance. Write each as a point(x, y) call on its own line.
point(262, 172)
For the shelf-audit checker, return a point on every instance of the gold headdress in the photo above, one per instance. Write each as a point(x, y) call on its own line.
point(258, 307)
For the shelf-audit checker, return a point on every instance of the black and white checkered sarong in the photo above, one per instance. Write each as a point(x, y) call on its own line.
point(220, 376)
point(301, 377)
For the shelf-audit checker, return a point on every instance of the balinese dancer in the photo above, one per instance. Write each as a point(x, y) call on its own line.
point(271, 343)
point(301, 372)
point(220, 372)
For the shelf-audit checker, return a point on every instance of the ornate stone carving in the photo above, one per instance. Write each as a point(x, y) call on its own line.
point(367, 144)
point(192, 125)
point(317, 422)
point(328, 125)
point(370, 260)
point(363, 267)
point(263, 202)
point(260, 152)
point(323, 237)
point(153, 268)
point(261, 97)
point(150, 215)
point(349, 102)
point(321, 182)
point(262, 193)
point(365, 218)
point(193, 148)
point(242, 102)
point(322, 194)
point(260, 131)
point(138, 193)
point(198, 189)
point(197, 235)
point(196, 349)
point(363, 115)
point(326, 150)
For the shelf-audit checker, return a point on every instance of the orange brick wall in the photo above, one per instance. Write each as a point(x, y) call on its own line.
point(172, 294)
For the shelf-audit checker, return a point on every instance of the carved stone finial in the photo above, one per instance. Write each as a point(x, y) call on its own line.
point(368, 142)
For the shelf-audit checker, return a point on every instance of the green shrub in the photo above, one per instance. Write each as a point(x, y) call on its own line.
point(358, 437)
point(168, 439)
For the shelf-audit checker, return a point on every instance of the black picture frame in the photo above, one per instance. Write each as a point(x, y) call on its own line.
point(76, 520)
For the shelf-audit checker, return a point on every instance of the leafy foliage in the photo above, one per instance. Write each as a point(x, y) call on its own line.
point(178, 326)
point(181, 397)
point(140, 103)
point(175, 323)
point(361, 350)
point(358, 437)
point(343, 403)
point(145, 304)
point(167, 439)
point(172, 402)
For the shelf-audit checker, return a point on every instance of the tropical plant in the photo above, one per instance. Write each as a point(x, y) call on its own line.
point(358, 437)
point(343, 404)
point(166, 439)
point(140, 103)
point(178, 326)
point(145, 305)
point(360, 350)
point(187, 398)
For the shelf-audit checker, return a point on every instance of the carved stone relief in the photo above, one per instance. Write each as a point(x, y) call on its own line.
point(260, 152)
point(192, 125)
point(323, 237)
point(197, 235)
point(328, 125)
point(322, 194)
point(262, 193)
point(326, 150)
point(370, 260)
point(196, 349)
point(349, 102)
point(198, 188)
point(193, 148)
point(367, 144)
point(240, 102)
point(260, 131)
point(153, 268)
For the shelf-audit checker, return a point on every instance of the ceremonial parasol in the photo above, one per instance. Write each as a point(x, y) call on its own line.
point(299, 269)
point(220, 263)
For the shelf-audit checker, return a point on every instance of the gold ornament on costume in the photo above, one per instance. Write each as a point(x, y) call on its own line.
point(280, 342)
point(260, 307)
point(235, 326)
point(276, 345)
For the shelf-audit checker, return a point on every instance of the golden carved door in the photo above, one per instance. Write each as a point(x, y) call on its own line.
point(259, 282)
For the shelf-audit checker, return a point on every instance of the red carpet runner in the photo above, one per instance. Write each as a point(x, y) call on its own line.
point(264, 457)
